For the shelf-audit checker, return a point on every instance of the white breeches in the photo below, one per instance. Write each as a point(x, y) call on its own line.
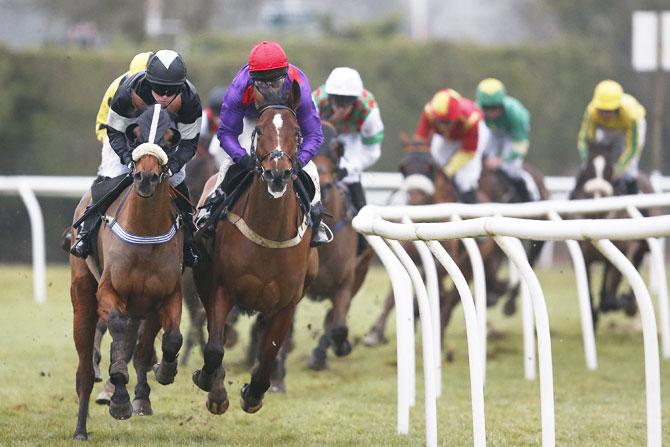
point(466, 178)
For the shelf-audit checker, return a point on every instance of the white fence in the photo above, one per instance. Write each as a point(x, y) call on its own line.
point(384, 236)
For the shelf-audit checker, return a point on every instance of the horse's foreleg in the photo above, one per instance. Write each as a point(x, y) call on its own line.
point(142, 360)
point(100, 330)
point(375, 335)
point(170, 317)
point(119, 405)
point(448, 301)
point(85, 317)
point(608, 299)
point(277, 384)
point(318, 358)
point(277, 327)
point(339, 332)
point(211, 376)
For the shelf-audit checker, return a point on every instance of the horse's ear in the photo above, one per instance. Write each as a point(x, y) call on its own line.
point(294, 96)
point(133, 133)
point(172, 137)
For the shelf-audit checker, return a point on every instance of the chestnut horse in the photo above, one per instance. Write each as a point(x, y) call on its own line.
point(341, 269)
point(138, 274)
point(595, 181)
point(261, 259)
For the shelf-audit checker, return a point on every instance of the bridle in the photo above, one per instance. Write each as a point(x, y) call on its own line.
point(276, 154)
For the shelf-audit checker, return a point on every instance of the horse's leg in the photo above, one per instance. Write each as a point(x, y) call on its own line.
point(533, 253)
point(339, 331)
point(142, 361)
point(100, 330)
point(194, 308)
point(85, 317)
point(627, 301)
point(255, 333)
point(608, 299)
point(277, 327)
point(277, 384)
point(170, 317)
point(318, 358)
point(231, 332)
point(375, 335)
point(211, 376)
point(594, 309)
point(119, 405)
point(448, 301)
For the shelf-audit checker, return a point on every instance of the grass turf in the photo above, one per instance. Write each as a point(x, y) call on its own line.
point(351, 403)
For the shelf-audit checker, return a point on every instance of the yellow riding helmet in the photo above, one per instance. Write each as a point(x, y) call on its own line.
point(139, 62)
point(607, 95)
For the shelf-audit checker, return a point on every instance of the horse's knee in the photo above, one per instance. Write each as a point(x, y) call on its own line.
point(116, 325)
point(172, 342)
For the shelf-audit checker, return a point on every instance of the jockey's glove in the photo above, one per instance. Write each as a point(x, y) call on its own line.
point(341, 173)
point(173, 166)
point(127, 158)
point(247, 163)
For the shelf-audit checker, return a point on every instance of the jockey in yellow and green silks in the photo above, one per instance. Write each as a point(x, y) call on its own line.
point(616, 117)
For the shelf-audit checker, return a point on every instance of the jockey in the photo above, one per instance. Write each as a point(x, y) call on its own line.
point(139, 63)
point(163, 82)
point(509, 125)
point(454, 127)
point(615, 116)
point(269, 74)
point(211, 123)
point(353, 111)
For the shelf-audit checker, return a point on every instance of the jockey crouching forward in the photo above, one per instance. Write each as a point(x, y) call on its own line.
point(614, 117)
point(164, 82)
point(269, 73)
point(353, 111)
point(457, 134)
point(509, 125)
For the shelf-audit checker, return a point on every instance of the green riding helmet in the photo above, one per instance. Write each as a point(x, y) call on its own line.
point(490, 93)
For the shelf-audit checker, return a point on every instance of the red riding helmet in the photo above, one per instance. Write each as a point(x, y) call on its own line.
point(267, 60)
point(444, 106)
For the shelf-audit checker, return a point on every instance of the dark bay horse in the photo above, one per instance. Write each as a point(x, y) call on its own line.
point(341, 269)
point(595, 180)
point(426, 183)
point(137, 274)
point(261, 261)
point(495, 186)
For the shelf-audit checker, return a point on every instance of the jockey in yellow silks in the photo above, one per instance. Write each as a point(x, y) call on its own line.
point(616, 117)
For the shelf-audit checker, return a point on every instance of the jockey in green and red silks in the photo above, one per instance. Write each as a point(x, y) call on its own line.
point(269, 73)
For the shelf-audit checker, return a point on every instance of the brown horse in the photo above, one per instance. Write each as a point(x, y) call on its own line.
point(138, 274)
point(258, 262)
point(595, 181)
point(496, 186)
point(341, 269)
point(417, 167)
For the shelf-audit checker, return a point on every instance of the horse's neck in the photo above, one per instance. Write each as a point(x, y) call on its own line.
point(445, 191)
point(275, 219)
point(147, 216)
point(334, 203)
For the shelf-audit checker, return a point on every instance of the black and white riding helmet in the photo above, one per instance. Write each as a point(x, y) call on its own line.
point(166, 67)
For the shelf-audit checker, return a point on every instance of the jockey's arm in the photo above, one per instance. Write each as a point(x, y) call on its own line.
point(585, 132)
point(103, 110)
point(518, 132)
point(119, 118)
point(232, 119)
point(188, 125)
point(309, 122)
point(460, 159)
point(632, 150)
point(424, 129)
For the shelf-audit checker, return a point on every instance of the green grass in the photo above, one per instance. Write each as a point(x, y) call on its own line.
point(352, 403)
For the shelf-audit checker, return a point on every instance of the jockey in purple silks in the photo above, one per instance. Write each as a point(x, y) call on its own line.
point(269, 73)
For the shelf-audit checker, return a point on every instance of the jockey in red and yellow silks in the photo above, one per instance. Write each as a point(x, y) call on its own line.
point(457, 134)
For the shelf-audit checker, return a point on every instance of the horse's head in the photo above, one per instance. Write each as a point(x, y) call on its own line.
point(327, 157)
point(276, 142)
point(153, 136)
point(419, 171)
point(595, 179)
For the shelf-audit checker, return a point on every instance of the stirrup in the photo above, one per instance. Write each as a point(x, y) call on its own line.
point(323, 235)
point(80, 248)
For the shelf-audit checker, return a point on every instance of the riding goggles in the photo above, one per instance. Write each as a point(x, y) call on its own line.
point(165, 90)
point(273, 90)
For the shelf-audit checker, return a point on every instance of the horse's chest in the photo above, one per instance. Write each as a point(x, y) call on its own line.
point(149, 279)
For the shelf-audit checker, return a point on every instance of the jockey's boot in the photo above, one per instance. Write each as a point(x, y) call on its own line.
point(469, 196)
point(82, 244)
point(191, 257)
point(321, 234)
point(359, 201)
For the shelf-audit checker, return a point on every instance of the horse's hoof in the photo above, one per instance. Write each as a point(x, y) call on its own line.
point(277, 387)
point(629, 305)
point(450, 356)
point(608, 305)
point(316, 361)
point(374, 338)
point(215, 407)
point(165, 372)
point(248, 403)
point(97, 374)
point(203, 380)
point(343, 349)
point(510, 308)
point(80, 436)
point(105, 396)
point(142, 407)
point(120, 410)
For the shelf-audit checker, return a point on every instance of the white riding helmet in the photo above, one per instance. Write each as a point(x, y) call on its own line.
point(344, 81)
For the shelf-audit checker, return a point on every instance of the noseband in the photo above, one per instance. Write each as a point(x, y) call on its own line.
point(276, 154)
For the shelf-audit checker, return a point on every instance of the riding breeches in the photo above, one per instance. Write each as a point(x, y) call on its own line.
point(111, 165)
point(245, 142)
